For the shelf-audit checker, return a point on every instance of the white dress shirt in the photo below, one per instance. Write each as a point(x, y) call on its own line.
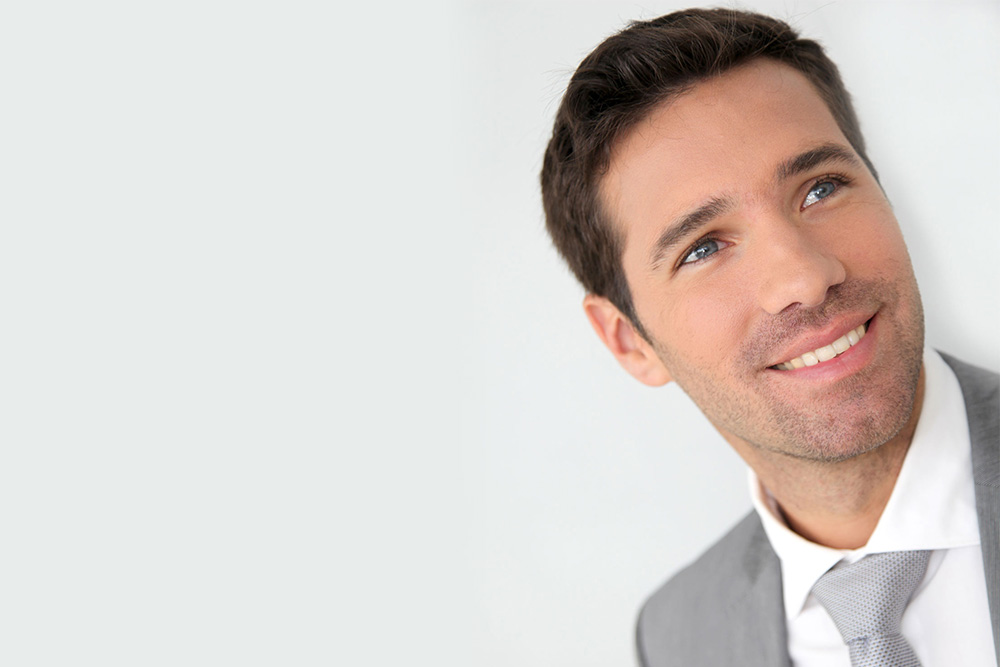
point(932, 507)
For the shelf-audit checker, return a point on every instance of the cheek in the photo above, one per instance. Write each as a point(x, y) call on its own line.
point(705, 324)
point(873, 245)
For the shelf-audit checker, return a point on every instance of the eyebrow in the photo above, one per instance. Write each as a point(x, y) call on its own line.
point(814, 157)
point(688, 224)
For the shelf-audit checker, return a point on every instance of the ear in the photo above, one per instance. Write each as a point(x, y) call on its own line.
point(631, 350)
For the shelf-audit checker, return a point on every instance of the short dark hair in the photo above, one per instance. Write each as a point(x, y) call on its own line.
point(619, 83)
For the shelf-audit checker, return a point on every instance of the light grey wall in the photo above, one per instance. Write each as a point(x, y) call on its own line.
point(291, 374)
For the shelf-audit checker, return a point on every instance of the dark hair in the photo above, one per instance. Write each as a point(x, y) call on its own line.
point(619, 83)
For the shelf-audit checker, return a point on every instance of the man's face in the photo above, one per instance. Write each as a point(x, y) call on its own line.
point(755, 236)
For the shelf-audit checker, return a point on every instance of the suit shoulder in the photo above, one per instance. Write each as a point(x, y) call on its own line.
point(975, 380)
point(695, 598)
point(707, 574)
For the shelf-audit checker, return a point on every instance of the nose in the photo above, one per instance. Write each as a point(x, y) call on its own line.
point(797, 268)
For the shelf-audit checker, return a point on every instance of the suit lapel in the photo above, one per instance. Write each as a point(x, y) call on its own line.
point(757, 613)
point(981, 391)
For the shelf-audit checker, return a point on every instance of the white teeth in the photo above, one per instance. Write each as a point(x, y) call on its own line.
point(826, 352)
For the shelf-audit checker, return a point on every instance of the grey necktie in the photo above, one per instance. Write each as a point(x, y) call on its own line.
point(866, 600)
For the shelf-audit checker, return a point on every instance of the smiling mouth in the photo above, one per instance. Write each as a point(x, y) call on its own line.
point(827, 352)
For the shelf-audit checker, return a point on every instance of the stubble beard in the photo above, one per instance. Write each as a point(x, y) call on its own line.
point(871, 407)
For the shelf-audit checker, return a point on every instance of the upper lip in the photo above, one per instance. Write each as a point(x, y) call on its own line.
point(817, 338)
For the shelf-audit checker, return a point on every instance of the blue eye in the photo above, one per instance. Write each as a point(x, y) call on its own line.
point(701, 251)
point(819, 191)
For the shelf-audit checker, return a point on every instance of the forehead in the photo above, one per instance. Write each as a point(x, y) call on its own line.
point(724, 136)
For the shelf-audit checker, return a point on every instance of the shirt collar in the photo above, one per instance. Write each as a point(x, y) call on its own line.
point(932, 505)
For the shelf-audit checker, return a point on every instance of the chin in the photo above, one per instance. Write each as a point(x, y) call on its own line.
point(877, 416)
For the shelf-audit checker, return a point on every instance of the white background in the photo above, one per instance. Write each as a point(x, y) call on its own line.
point(291, 374)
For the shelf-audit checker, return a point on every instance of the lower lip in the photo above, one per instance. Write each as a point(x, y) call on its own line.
point(847, 363)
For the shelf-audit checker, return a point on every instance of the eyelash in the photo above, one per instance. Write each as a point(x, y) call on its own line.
point(694, 246)
point(839, 179)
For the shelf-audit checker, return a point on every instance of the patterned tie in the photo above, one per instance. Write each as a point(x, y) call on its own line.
point(866, 600)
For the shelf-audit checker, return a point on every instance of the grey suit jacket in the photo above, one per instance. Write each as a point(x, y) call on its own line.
point(727, 609)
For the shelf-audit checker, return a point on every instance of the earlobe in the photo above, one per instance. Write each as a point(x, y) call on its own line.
point(632, 351)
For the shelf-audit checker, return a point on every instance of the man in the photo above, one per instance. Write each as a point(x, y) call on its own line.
point(708, 184)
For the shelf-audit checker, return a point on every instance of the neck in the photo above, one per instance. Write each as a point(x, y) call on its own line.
point(834, 503)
